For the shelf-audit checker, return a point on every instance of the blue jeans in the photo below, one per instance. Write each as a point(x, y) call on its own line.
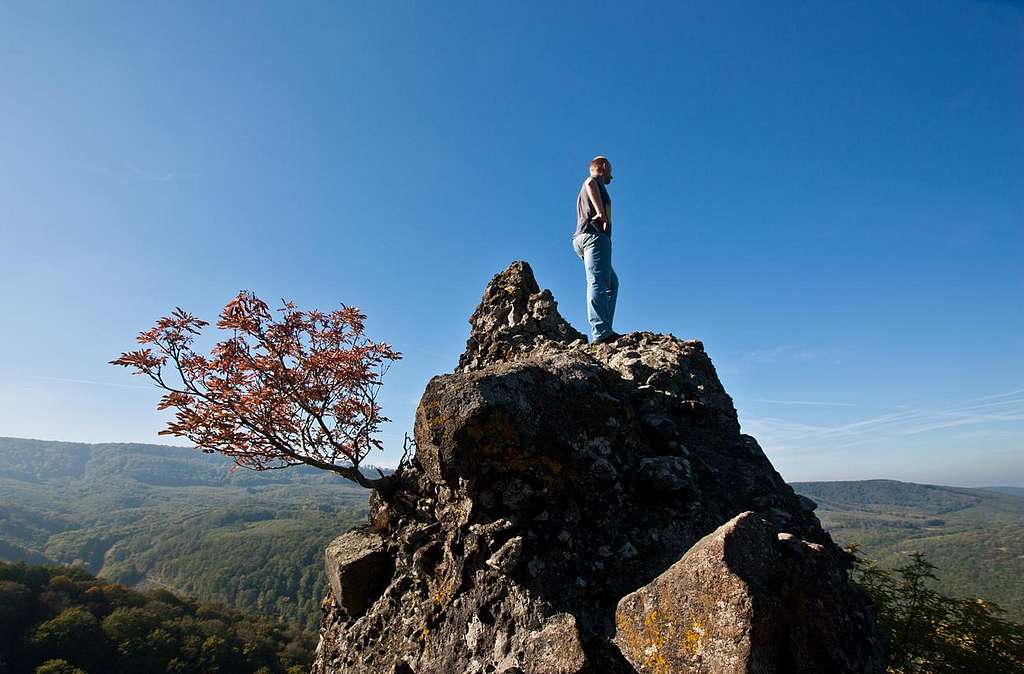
point(602, 284)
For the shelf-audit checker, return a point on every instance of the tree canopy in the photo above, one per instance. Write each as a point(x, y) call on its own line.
point(72, 623)
point(299, 388)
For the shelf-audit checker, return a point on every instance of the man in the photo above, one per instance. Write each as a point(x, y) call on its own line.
point(593, 244)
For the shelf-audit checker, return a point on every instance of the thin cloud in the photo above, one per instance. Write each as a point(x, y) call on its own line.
point(793, 437)
point(997, 395)
point(135, 172)
point(788, 352)
point(990, 405)
point(952, 421)
point(91, 382)
point(26, 389)
point(802, 402)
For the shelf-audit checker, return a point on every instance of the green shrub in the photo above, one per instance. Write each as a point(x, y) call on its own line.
point(930, 633)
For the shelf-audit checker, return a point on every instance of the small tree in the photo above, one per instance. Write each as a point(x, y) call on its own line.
point(930, 632)
point(301, 389)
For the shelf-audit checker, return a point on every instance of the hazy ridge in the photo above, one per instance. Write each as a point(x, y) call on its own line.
point(974, 536)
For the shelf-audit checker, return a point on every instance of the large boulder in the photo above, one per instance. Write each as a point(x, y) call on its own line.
point(358, 569)
point(747, 600)
point(553, 478)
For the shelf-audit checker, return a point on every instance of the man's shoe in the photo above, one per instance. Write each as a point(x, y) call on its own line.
point(607, 339)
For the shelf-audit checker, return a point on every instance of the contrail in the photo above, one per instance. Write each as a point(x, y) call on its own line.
point(90, 381)
point(801, 402)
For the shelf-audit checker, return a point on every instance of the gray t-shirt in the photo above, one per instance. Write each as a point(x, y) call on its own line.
point(585, 211)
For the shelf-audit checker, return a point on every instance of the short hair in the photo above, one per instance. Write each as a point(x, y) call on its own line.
point(599, 161)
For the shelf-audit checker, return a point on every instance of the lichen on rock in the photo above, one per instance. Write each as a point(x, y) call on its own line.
point(558, 486)
point(737, 602)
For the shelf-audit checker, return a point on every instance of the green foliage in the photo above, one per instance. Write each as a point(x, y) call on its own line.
point(960, 531)
point(58, 667)
point(931, 633)
point(74, 623)
point(167, 517)
point(15, 603)
point(73, 635)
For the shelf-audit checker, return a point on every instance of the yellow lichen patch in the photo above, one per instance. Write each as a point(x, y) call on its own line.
point(654, 629)
point(441, 597)
point(646, 643)
point(424, 635)
point(495, 433)
point(435, 421)
point(692, 639)
point(496, 437)
point(661, 640)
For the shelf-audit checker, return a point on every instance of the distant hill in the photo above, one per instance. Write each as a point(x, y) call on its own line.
point(974, 536)
point(1013, 491)
point(170, 517)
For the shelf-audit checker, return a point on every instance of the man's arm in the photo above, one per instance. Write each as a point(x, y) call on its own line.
point(603, 215)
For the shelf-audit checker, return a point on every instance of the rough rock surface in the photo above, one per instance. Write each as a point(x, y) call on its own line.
point(513, 317)
point(555, 493)
point(739, 601)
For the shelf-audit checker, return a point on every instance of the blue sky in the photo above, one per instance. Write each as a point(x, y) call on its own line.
point(830, 195)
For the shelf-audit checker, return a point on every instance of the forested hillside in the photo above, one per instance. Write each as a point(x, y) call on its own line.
point(64, 621)
point(975, 537)
point(169, 517)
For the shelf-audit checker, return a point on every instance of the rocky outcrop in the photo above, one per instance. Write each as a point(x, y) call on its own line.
point(513, 318)
point(587, 508)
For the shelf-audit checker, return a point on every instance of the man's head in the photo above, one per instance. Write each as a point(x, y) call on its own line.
point(602, 168)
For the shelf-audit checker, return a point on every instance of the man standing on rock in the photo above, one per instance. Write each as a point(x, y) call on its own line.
point(593, 244)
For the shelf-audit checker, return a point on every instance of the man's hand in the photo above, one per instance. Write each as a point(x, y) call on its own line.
point(595, 199)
